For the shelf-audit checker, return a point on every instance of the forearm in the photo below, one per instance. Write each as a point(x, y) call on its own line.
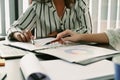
point(98, 38)
point(25, 22)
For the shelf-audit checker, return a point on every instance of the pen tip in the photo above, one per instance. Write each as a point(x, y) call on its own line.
point(47, 43)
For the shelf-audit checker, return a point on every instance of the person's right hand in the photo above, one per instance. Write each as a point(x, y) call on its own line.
point(24, 36)
point(68, 35)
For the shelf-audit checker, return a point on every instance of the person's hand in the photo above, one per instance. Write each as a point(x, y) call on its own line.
point(24, 36)
point(68, 35)
point(53, 34)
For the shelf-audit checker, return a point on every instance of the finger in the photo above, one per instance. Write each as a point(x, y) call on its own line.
point(19, 38)
point(64, 34)
point(67, 39)
point(26, 39)
point(61, 41)
point(30, 35)
point(23, 36)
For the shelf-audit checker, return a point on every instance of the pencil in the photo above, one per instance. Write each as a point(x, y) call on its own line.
point(47, 43)
point(33, 41)
point(52, 41)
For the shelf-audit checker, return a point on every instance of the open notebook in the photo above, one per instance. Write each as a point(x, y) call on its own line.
point(33, 69)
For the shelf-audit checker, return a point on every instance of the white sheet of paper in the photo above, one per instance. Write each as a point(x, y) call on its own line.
point(39, 44)
point(61, 70)
point(30, 64)
point(78, 53)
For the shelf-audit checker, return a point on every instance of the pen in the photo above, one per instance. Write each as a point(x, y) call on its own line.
point(47, 43)
point(52, 41)
point(4, 77)
point(32, 40)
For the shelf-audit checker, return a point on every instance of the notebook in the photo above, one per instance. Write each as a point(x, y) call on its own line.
point(62, 70)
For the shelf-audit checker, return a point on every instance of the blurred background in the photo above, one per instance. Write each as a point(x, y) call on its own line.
point(105, 14)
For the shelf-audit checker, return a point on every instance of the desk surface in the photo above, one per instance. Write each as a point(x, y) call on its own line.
point(13, 70)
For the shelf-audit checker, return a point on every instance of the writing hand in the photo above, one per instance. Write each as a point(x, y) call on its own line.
point(24, 36)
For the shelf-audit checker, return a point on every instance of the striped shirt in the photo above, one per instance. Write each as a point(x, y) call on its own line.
point(43, 19)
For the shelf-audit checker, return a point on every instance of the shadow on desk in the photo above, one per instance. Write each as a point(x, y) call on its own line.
point(47, 57)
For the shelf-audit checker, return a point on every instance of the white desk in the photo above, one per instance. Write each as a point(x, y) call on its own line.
point(13, 71)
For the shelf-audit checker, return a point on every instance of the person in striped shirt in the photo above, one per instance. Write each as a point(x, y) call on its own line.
point(46, 18)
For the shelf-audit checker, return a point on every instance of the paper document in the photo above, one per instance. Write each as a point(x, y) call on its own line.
point(10, 52)
point(82, 54)
point(39, 44)
point(62, 70)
